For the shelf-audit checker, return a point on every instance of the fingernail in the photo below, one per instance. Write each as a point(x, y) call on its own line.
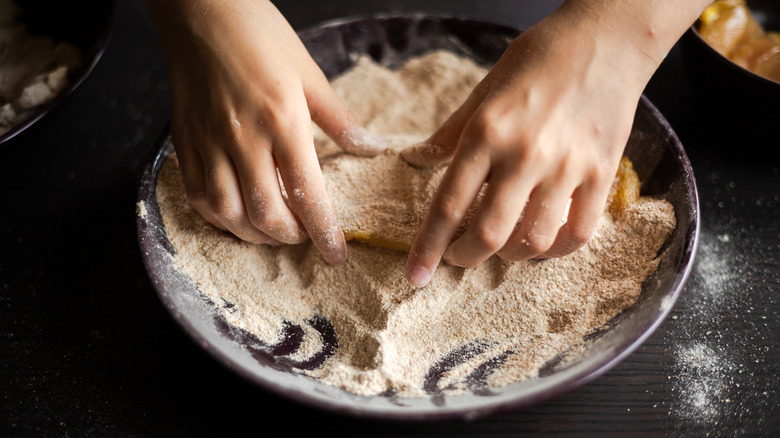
point(333, 246)
point(418, 276)
point(336, 257)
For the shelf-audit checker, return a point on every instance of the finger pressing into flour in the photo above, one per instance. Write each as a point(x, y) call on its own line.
point(225, 200)
point(581, 221)
point(305, 186)
point(540, 224)
point(333, 116)
point(265, 205)
point(498, 214)
point(456, 192)
point(440, 147)
point(194, 180)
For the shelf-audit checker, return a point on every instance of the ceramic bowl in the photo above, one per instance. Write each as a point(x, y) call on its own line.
point(654, 148)
point(88, 24)
point(739, 103)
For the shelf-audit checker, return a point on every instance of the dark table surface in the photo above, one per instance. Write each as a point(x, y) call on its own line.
point(87, 349)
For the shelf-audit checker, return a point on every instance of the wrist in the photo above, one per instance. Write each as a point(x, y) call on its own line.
point(649, 28)
point(591, 50)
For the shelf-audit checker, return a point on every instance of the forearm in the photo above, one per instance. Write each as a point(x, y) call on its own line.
point(652, 27)
point(181, 23)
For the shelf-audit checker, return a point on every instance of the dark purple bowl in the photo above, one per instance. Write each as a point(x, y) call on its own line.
point(740, 104)
point(86, 23)
point(654, 148)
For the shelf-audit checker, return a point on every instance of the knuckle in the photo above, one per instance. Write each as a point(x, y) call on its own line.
point(489, 237)
point(273, 222)
point(492, 127)
point(197, 198)
point(266, 220)
point(281, 115)
point(579, 233)
point(448, 209)
point(538, 243)
point(224, 209)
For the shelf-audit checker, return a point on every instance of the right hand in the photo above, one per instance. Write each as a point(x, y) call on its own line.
point(244, 91)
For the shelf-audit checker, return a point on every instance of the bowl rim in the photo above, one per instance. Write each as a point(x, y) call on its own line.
point(687, 254)
point(44, 110)
point(765, 81)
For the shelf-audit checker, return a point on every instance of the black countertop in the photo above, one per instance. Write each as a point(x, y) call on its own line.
point(87, 349)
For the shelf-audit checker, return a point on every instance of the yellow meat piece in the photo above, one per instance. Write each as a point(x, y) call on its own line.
point(376, 240)
point(726, 24)
point(730, 28)
point(625, 188)
point(623, 193)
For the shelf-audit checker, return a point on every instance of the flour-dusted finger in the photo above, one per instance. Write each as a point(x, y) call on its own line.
point(263, 200)
point(456, 193)
point(226, 201)
point(582, 219)
point(495, 221)
point(302, 178)
point(439, 148)
point(333, 116)
point(194, 180)
point(539, 225)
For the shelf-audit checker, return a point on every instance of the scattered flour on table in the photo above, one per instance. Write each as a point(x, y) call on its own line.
point(714, 362)
point(704, 376)
point(501, 320)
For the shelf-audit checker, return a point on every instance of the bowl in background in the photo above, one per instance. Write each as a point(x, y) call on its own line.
point(654, 149)
point(87, 24)
point(742, 105)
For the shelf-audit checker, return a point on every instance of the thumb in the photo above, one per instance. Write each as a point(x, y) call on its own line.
point(331, 114)
point(440, 147)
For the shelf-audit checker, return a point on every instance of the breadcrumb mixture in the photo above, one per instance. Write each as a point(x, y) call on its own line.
point(360, 326)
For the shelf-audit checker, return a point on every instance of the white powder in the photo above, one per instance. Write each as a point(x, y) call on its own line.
point(469, 328)
point(722, 340)
point(705, 376)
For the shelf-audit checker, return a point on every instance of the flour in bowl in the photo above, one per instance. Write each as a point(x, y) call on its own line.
point(360, 326)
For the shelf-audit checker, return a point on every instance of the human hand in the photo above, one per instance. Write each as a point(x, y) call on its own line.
point(244, 92)
point(547, 125)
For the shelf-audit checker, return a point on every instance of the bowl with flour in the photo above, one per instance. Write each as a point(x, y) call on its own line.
point(356, 338)
point(47, 49)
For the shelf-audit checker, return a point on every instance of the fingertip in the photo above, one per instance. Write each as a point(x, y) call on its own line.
point(412, 155)
point(360, 141)
point(563, 247)
point(418, 276)
point(332, 246)
point(424, 154)
point(336, 258)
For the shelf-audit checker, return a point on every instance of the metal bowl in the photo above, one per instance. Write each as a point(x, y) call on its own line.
point(654, 148)
point(88, 25)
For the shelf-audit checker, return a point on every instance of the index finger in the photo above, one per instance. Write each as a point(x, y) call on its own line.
point(458, 189)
